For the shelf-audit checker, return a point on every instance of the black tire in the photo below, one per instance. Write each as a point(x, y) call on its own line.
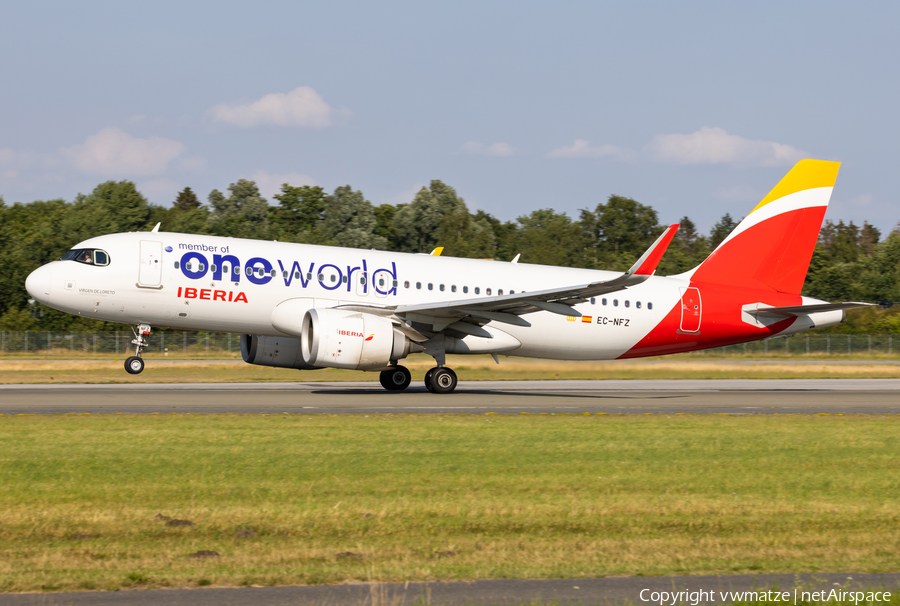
point(428, 379)
point(397, 378)
point(134, 365)
point(443, 380)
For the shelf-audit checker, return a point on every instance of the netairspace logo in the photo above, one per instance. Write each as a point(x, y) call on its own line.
point(694, 598)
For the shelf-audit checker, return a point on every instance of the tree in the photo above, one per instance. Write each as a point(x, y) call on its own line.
point(243, 214)
point(300, 211)
point(546, 237)
point(462, 235)
point(349, 220)
point(417, 223)
point(721, 230)
point(621, 230)
point(186, 200)
point(384, 227)
point(505, 236)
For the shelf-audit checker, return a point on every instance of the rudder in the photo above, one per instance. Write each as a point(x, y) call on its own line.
point(772, 247)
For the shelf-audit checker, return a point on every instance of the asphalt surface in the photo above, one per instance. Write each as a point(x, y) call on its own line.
point(717, 396)
point(616, 590)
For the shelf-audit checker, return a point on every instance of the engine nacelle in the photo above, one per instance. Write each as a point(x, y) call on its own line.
point(350, 339)
point(281, 352)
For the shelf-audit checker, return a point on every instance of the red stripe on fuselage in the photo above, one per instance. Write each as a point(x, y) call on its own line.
point(721, 322)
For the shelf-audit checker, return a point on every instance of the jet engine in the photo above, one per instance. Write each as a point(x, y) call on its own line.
point(282, 352)
point(350, 339)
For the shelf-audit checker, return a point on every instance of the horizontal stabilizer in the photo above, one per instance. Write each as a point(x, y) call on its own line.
point(803, 310)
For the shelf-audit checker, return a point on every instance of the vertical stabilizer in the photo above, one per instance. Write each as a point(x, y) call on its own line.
point(773, 245)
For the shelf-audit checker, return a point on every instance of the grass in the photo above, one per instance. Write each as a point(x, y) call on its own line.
point(328, 498)
point(469, 368)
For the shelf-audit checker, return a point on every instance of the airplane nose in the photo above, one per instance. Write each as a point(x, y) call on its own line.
point(38, 283)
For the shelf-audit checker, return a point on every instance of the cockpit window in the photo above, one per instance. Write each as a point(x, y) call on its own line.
point(88, 256)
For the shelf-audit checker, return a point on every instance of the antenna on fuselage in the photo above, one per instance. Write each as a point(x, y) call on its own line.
point(155, 229)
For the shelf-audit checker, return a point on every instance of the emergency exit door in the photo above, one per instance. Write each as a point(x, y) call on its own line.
point(150, 273)
point(691, 309)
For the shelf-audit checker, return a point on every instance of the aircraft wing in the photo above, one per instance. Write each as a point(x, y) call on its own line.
point(509, 308)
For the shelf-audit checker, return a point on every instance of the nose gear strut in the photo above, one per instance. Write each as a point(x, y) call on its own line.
point(135, 364)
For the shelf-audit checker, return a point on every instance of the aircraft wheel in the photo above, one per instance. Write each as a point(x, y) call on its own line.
point(396, 379)
point(443, 380)
point(428, 379)
point(134, 365)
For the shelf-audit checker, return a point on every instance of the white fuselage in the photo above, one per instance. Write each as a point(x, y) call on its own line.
point(168, 280)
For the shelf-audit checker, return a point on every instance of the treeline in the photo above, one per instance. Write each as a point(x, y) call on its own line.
point(850, 262)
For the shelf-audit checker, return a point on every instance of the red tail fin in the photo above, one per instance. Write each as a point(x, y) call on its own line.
point(773, 245)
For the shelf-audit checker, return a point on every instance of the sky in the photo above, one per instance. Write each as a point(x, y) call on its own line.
point(695, 108)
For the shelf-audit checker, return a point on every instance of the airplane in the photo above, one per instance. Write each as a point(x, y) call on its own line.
point(308, 307)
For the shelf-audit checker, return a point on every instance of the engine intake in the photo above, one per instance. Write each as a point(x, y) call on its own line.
point(350, 339)
point(281, 352)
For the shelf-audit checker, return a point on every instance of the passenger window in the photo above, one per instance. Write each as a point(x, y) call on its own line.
point(406, 284)
point(237, 270)
point(442, 288)
point(344, 279)
point(380, 281)
point(593, 300)
point(512, 292)
point(321, 277)
point(465, 289)
point(362, 280)
point(296, 275)
point(272, 273)
point(394, 283)
point(603, 300)
point(487, 291)
point(627, 303)
point(637, 304)
point(201, 267)
point(176, 264)
point(453, 288)
point(418, 286)
point(283, 274)
point(500, 292)
point(333, 278)
point(615, 302)
point(308, 275)
point(224, 269)
point(212, 268)
point(649, 305)
point(430, 286)
point(259, 271)
point(249, 271)
point(477, 290)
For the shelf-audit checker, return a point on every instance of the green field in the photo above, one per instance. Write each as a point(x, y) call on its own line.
point(416, 497)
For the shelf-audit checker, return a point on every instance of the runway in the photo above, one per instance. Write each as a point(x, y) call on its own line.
point(717, 396)
point(606, 591)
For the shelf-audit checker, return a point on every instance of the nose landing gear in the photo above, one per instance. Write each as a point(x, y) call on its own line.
point(134, 365)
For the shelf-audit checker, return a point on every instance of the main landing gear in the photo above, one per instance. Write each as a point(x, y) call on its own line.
point(134, 365)
point(439, 379)
point(397, 378)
